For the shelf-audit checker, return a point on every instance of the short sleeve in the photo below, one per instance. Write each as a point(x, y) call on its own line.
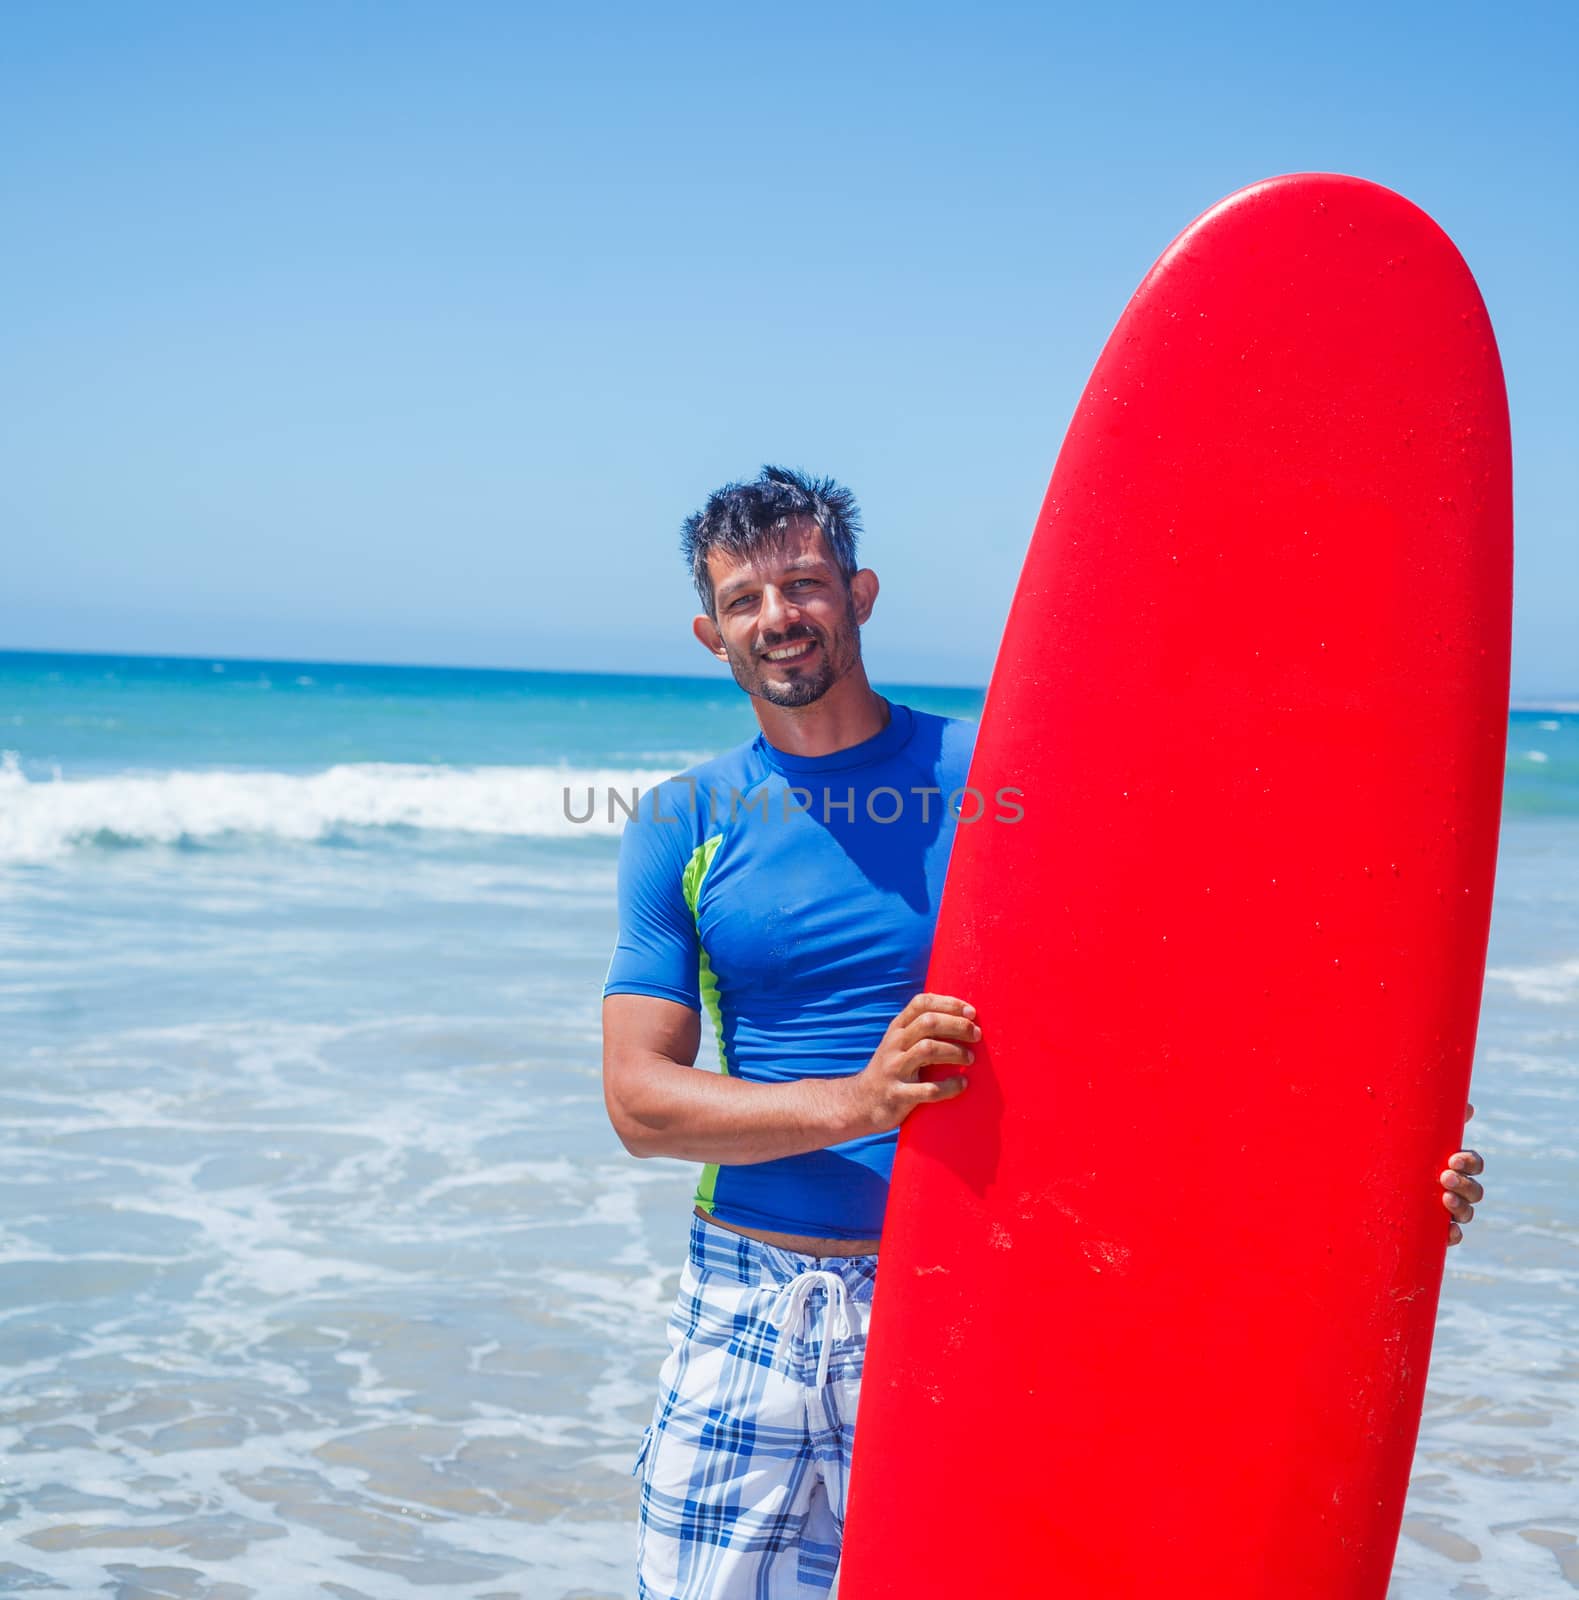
point(658, 952)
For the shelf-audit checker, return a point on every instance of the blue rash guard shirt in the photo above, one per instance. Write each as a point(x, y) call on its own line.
point(767, 888)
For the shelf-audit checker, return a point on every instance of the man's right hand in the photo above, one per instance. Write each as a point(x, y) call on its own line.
point(661, 1105)
point(934, 1030)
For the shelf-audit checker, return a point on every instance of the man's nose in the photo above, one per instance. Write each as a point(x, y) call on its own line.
point(778, 610)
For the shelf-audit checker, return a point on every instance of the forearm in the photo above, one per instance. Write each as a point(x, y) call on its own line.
point(661, 1108)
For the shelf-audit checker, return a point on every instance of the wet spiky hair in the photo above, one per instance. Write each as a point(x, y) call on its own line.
point(743, 518)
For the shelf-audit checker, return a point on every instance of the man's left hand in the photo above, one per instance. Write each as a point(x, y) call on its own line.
point(1461, 1193)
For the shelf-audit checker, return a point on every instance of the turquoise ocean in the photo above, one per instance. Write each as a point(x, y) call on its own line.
point(321, 1271)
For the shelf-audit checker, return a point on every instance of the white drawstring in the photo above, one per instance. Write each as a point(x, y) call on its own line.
point(791, 1305)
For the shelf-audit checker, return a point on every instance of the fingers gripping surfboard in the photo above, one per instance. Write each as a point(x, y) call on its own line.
point(1157, 1294)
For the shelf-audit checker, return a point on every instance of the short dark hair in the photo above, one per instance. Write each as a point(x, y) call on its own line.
point(743, 518)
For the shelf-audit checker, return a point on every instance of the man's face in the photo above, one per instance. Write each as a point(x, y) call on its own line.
point(787, 623)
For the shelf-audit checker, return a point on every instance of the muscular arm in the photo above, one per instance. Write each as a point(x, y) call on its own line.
point(661, 1105)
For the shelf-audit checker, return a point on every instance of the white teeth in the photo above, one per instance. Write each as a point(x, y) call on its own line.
point(791, 650)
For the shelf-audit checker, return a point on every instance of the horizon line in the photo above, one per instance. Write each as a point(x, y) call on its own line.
point(1563, 702)
point(431, 666)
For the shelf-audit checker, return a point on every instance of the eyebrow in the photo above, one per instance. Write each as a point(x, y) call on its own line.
point(804, 564)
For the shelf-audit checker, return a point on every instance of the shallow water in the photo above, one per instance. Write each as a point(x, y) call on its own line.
point(319, 1261)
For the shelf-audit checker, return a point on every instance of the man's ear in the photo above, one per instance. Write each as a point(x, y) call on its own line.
point(863, 592)
point(712, 640)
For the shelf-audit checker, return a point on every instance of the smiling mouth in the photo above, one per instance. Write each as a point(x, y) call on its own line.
point(790, 653)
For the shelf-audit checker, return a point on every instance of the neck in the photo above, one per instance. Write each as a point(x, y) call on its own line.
point(850, 712)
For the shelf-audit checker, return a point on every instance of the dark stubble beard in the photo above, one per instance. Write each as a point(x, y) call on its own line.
point(839, 654)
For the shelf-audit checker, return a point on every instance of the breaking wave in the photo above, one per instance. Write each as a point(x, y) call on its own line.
point(44, 820)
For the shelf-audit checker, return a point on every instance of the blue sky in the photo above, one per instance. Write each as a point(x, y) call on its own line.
point(411, 332)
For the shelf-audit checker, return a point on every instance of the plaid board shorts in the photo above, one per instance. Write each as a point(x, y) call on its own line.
point(745, 1464)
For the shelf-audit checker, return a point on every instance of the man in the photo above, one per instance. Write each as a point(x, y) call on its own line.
point(781, 887)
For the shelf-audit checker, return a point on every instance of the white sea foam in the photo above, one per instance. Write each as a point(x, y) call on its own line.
point(40, 821)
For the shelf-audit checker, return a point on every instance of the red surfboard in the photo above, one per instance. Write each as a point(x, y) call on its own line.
point(1157, 1293)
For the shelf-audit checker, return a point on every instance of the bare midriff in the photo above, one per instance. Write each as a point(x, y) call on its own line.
point(800, 1243)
